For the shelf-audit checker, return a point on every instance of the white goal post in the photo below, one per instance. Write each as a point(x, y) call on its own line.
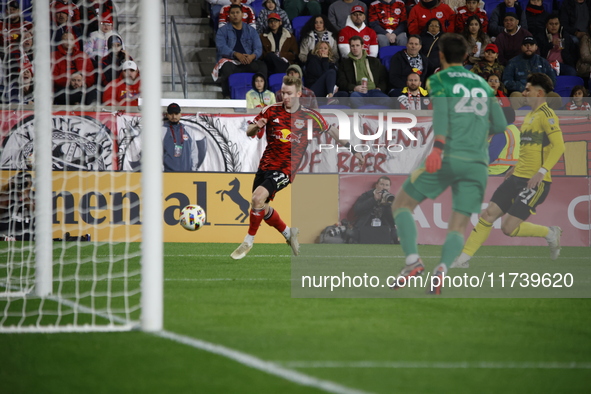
point(65, 281)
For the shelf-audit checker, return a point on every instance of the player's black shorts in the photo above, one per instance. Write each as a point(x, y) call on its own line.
point(273, 181)
point(514, 198)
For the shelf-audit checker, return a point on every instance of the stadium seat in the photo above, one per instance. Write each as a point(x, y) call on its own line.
point(257, 6)
point(386, 54)
point(297, 23)
point(240, 83)
point(275, 81)
point(565, 83)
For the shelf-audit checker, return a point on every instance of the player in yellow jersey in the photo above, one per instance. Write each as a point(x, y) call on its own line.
point(528, 184)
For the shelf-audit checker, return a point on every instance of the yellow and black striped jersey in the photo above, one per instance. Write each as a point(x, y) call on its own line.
point(541, 143)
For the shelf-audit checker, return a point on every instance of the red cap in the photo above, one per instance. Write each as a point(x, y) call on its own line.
point(107, 18)
point(274, 15)
point(491, 47)
point(61, 7)
point(357, 8)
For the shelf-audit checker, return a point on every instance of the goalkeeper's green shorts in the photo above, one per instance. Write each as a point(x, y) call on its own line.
point(467, 181)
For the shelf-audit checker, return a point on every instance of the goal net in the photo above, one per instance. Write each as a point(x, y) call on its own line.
point(80, 238)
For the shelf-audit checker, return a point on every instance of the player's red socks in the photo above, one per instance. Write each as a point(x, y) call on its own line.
point(256, 217)
point(272, 219)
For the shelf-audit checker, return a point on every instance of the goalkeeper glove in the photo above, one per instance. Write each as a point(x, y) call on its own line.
point(433, 162)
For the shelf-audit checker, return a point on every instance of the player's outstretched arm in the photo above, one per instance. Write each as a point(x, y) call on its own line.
point(254, 128)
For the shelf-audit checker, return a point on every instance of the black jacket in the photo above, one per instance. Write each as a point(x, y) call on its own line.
point(366, 208)
point(70, 96)
point(568, 15)
point(536, 19)
point(569, 53)
point(400, 68)
point(315, 68)
point(346, 80)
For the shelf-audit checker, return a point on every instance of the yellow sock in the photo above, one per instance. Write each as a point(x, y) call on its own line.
point(526, 229)
point(477, 237)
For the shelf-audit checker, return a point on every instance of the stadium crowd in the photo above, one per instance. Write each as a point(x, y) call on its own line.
point(508, 39)
point(89, 62)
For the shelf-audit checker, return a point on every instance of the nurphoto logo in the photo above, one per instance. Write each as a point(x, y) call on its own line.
point(392, 122)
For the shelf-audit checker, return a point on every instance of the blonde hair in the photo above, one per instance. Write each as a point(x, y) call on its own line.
point(293, 81)
point(331, 56)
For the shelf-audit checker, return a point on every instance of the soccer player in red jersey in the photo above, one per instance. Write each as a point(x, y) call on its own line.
point(286, 132)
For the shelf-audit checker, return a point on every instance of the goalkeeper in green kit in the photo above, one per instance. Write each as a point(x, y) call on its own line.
point(465, 112)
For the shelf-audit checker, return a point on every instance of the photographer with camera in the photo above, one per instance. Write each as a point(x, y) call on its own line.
point(17, 208)
point(374, 222)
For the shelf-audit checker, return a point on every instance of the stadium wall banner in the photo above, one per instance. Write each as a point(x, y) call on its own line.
point(107, 205)
point(105, 141)
point(567, 206)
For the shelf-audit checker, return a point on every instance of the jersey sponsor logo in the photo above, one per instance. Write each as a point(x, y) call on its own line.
point(276, 120)
point(299, 123)
point(286, 135)
point(439, 15)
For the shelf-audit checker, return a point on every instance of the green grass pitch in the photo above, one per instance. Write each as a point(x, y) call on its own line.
point(378, 345)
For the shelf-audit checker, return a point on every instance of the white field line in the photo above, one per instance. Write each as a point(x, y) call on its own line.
point(262, 365)
point(436, 364)
point(240, 357)
point(360, 257)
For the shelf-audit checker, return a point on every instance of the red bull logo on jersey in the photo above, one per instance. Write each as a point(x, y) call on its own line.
point(299, 123)
point(286, 135)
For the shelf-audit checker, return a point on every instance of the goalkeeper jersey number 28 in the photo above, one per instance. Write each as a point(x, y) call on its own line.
point(465, 111)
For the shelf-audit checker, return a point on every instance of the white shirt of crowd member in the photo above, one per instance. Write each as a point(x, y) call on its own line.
point(357, 19)
point(96, 45)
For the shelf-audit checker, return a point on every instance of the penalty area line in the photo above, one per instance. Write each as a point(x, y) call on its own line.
point(436, 364)
point(251, 361)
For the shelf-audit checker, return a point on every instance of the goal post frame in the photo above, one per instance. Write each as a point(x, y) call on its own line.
point(152, 227)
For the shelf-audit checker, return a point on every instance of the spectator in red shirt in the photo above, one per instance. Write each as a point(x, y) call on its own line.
point(388, 19)
point(463, 13)
point(14, 22)
point(67, 59)
point(248, 15)
point(495, 83)
point(125, 90)
point(426, 10)
point(577, 103)
point(356, 27)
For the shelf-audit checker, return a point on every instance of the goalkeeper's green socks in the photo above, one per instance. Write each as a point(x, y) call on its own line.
point(407, 232)
point(452, 247)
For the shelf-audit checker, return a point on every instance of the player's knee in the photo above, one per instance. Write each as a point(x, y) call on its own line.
point(508, 230)
point(488, 215)
point(257, 201)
